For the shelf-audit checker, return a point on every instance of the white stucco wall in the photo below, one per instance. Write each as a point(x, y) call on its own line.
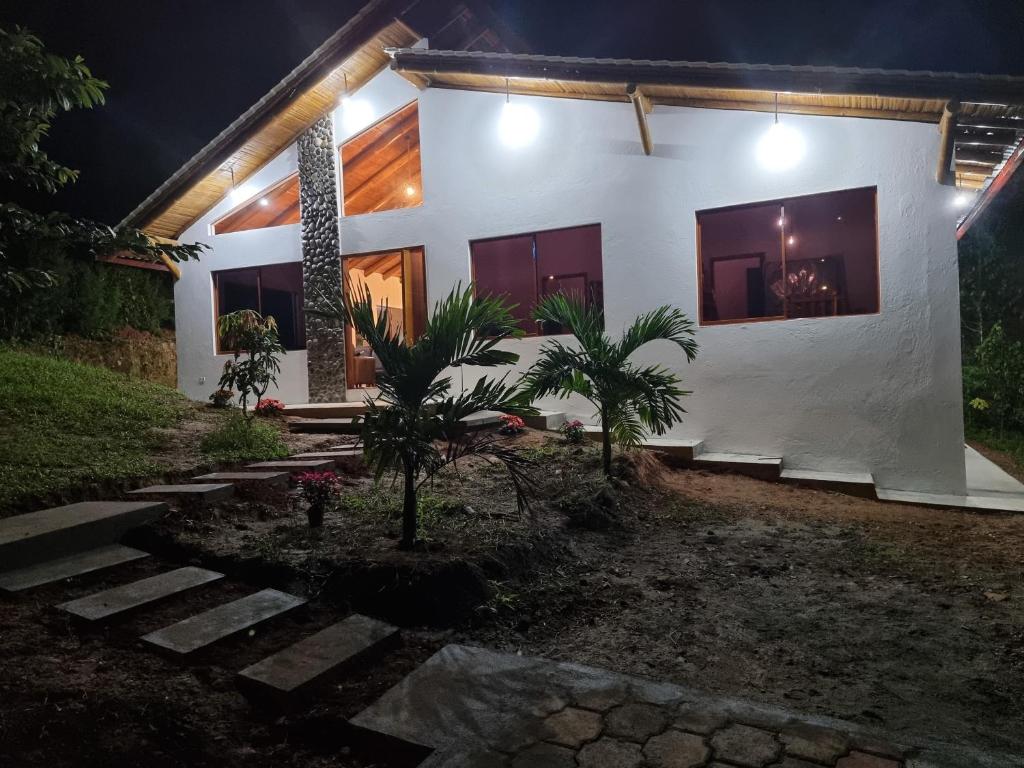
point(878, 393)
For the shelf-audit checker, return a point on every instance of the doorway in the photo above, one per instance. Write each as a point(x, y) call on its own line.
point(396, 281)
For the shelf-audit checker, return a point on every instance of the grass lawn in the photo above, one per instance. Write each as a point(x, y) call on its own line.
point(64, 423)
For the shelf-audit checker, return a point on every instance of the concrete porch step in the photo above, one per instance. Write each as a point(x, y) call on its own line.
point(547, 420)
point(201, 492)
point(762, 467)
point(244, 478)
point(204, 629)
point(340, 458)
point(674, 447)
point(942, 500)
point(294, 465)
point(851, 483)
point(67, 567)
point(339, 426)
point(117, 601)
point(482, 420)
point(60, 531)
point(326, 410)
point(314, 660)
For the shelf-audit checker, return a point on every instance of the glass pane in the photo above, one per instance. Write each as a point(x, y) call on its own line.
point(282, 299)
point(831, 254)
point(741, 263)
point(276, 206)
point(381, 166)
point(237, 290)
point(569, 262)
point(504, 267)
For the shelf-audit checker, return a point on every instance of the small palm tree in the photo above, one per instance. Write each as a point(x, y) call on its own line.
point(630, 400)
point(415, 415)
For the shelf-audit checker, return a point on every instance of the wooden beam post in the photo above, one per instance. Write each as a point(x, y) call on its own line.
point(641, 105)
point(947, 137)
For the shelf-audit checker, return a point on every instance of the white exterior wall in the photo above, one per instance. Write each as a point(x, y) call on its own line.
point(878, 393)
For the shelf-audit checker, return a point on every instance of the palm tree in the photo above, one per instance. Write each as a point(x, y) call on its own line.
point(415, 412)
point(631, 400)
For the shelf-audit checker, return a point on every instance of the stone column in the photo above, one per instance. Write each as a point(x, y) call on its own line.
point(321, 258)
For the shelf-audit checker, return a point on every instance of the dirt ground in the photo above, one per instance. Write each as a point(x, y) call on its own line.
point(906, 619)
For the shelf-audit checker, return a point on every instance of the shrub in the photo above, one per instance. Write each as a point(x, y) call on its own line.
point(511, 424)
point(318, 489)
point(994, 384)
point(573, 431)
point(222, 398)
point(238, 440)
point(268, 406)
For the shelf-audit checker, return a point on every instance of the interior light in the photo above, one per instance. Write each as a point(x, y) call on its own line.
point(264, 201)
point(237, 194)
point(519, 125)
point(824, 287)
point(792, 240)
point(782, 222)
point(839, 218)
point(410, 190)
point(782, 147)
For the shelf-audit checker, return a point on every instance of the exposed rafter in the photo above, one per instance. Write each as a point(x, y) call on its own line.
point(642, 106)
point(947, 139)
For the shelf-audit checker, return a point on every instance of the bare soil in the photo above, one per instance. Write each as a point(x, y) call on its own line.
point(902, 618)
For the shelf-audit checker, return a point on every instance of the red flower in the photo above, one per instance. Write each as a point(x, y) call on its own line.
point(269, 407)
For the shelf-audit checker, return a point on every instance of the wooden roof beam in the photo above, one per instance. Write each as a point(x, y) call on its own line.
point(947, 138)
point(642, 106)
point(1001, 180)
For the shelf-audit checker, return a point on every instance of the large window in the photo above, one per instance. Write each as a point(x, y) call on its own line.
point(380, 167)
point(524, 268)
point(811, 256)
point(273, 207)
point(274, 290)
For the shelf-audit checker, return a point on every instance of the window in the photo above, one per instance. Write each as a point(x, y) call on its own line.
point(274, 290)
point(525, 268)
point(811, 256)
point(271, 208)
point(380, 167)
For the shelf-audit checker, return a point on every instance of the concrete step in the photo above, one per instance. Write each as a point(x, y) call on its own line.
point(204, 629)
point(244, 478)
point(949, 501)
point(117, 601)
point(294, 465)
point(851, 483)
point(340, 458)
point(61, 531)
point(674, 447)
point(326, 410)
point(318, 658)
point(201, 492)
point(326, 426)
point(762, 467)
point(482, 420)
point(547, 420)
point(68, 567)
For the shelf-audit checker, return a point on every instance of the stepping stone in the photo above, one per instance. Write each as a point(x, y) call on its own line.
point(294, 670)
point(482, 420)
point(60, 531)
point(674, 447)
point(326, 410)
point(244, 478)
point(339, 426)
point(67, 567)
point(204, 492)
point(763, 467)
point(119, 600)
point(547, 420)
point(206, 628)
point(294, 465)
point(852, 483)
point(342, 454)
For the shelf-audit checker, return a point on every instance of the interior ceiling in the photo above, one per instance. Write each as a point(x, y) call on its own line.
point(381, 166)
point(270, 208)
point(384, 264)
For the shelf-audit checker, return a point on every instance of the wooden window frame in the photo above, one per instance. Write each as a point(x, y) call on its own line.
point(219, 349)
point(781, 202)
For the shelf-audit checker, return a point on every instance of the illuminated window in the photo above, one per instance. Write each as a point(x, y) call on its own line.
point(380, 167)
point(811, 256)
point(271, 208)
point(274, 290)
point(524, 268)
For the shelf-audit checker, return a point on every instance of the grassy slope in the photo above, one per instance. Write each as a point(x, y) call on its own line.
point(63, 423)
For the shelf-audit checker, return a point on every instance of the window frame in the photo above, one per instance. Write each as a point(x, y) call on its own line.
point(781, 202)
point(219, 349)
point(268, 190)
point(537, 284)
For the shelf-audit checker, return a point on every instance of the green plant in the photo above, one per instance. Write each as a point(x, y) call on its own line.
point(415, 409)
point(994, 384)
point(238, 439)
point(256, 362)
point(221, 398)
point(630, 399)
point(573, 432)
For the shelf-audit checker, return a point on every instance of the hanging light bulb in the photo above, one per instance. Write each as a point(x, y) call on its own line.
point(237, 194)
point(519, 124)
point(782, 147)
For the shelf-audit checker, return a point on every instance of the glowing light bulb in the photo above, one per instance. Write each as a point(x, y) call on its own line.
point(264, 202)
point(781, 148)
point(356, 114)
point(962, 200)
point(410, 190)
point(792, 240)
point(518, 125)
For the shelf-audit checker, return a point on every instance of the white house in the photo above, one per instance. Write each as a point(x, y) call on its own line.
point(805, 217)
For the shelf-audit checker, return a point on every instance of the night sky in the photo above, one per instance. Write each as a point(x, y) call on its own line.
point(181, 70)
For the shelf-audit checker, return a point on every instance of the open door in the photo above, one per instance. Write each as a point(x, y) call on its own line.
point(396, 281)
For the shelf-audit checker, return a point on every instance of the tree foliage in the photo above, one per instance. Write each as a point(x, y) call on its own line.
point(994, 382)
point(631, 400)
point(256, 361)
point(413, 427)
point(35, 87)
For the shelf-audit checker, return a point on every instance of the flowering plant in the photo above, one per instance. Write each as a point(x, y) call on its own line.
point(222, 398)
point(511, 425)
point(269, 407)
point(573, 431)
point(318, 489)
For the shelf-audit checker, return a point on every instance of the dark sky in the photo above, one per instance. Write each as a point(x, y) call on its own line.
point(181, 70)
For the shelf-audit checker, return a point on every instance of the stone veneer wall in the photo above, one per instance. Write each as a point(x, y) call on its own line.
point(321, 258)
